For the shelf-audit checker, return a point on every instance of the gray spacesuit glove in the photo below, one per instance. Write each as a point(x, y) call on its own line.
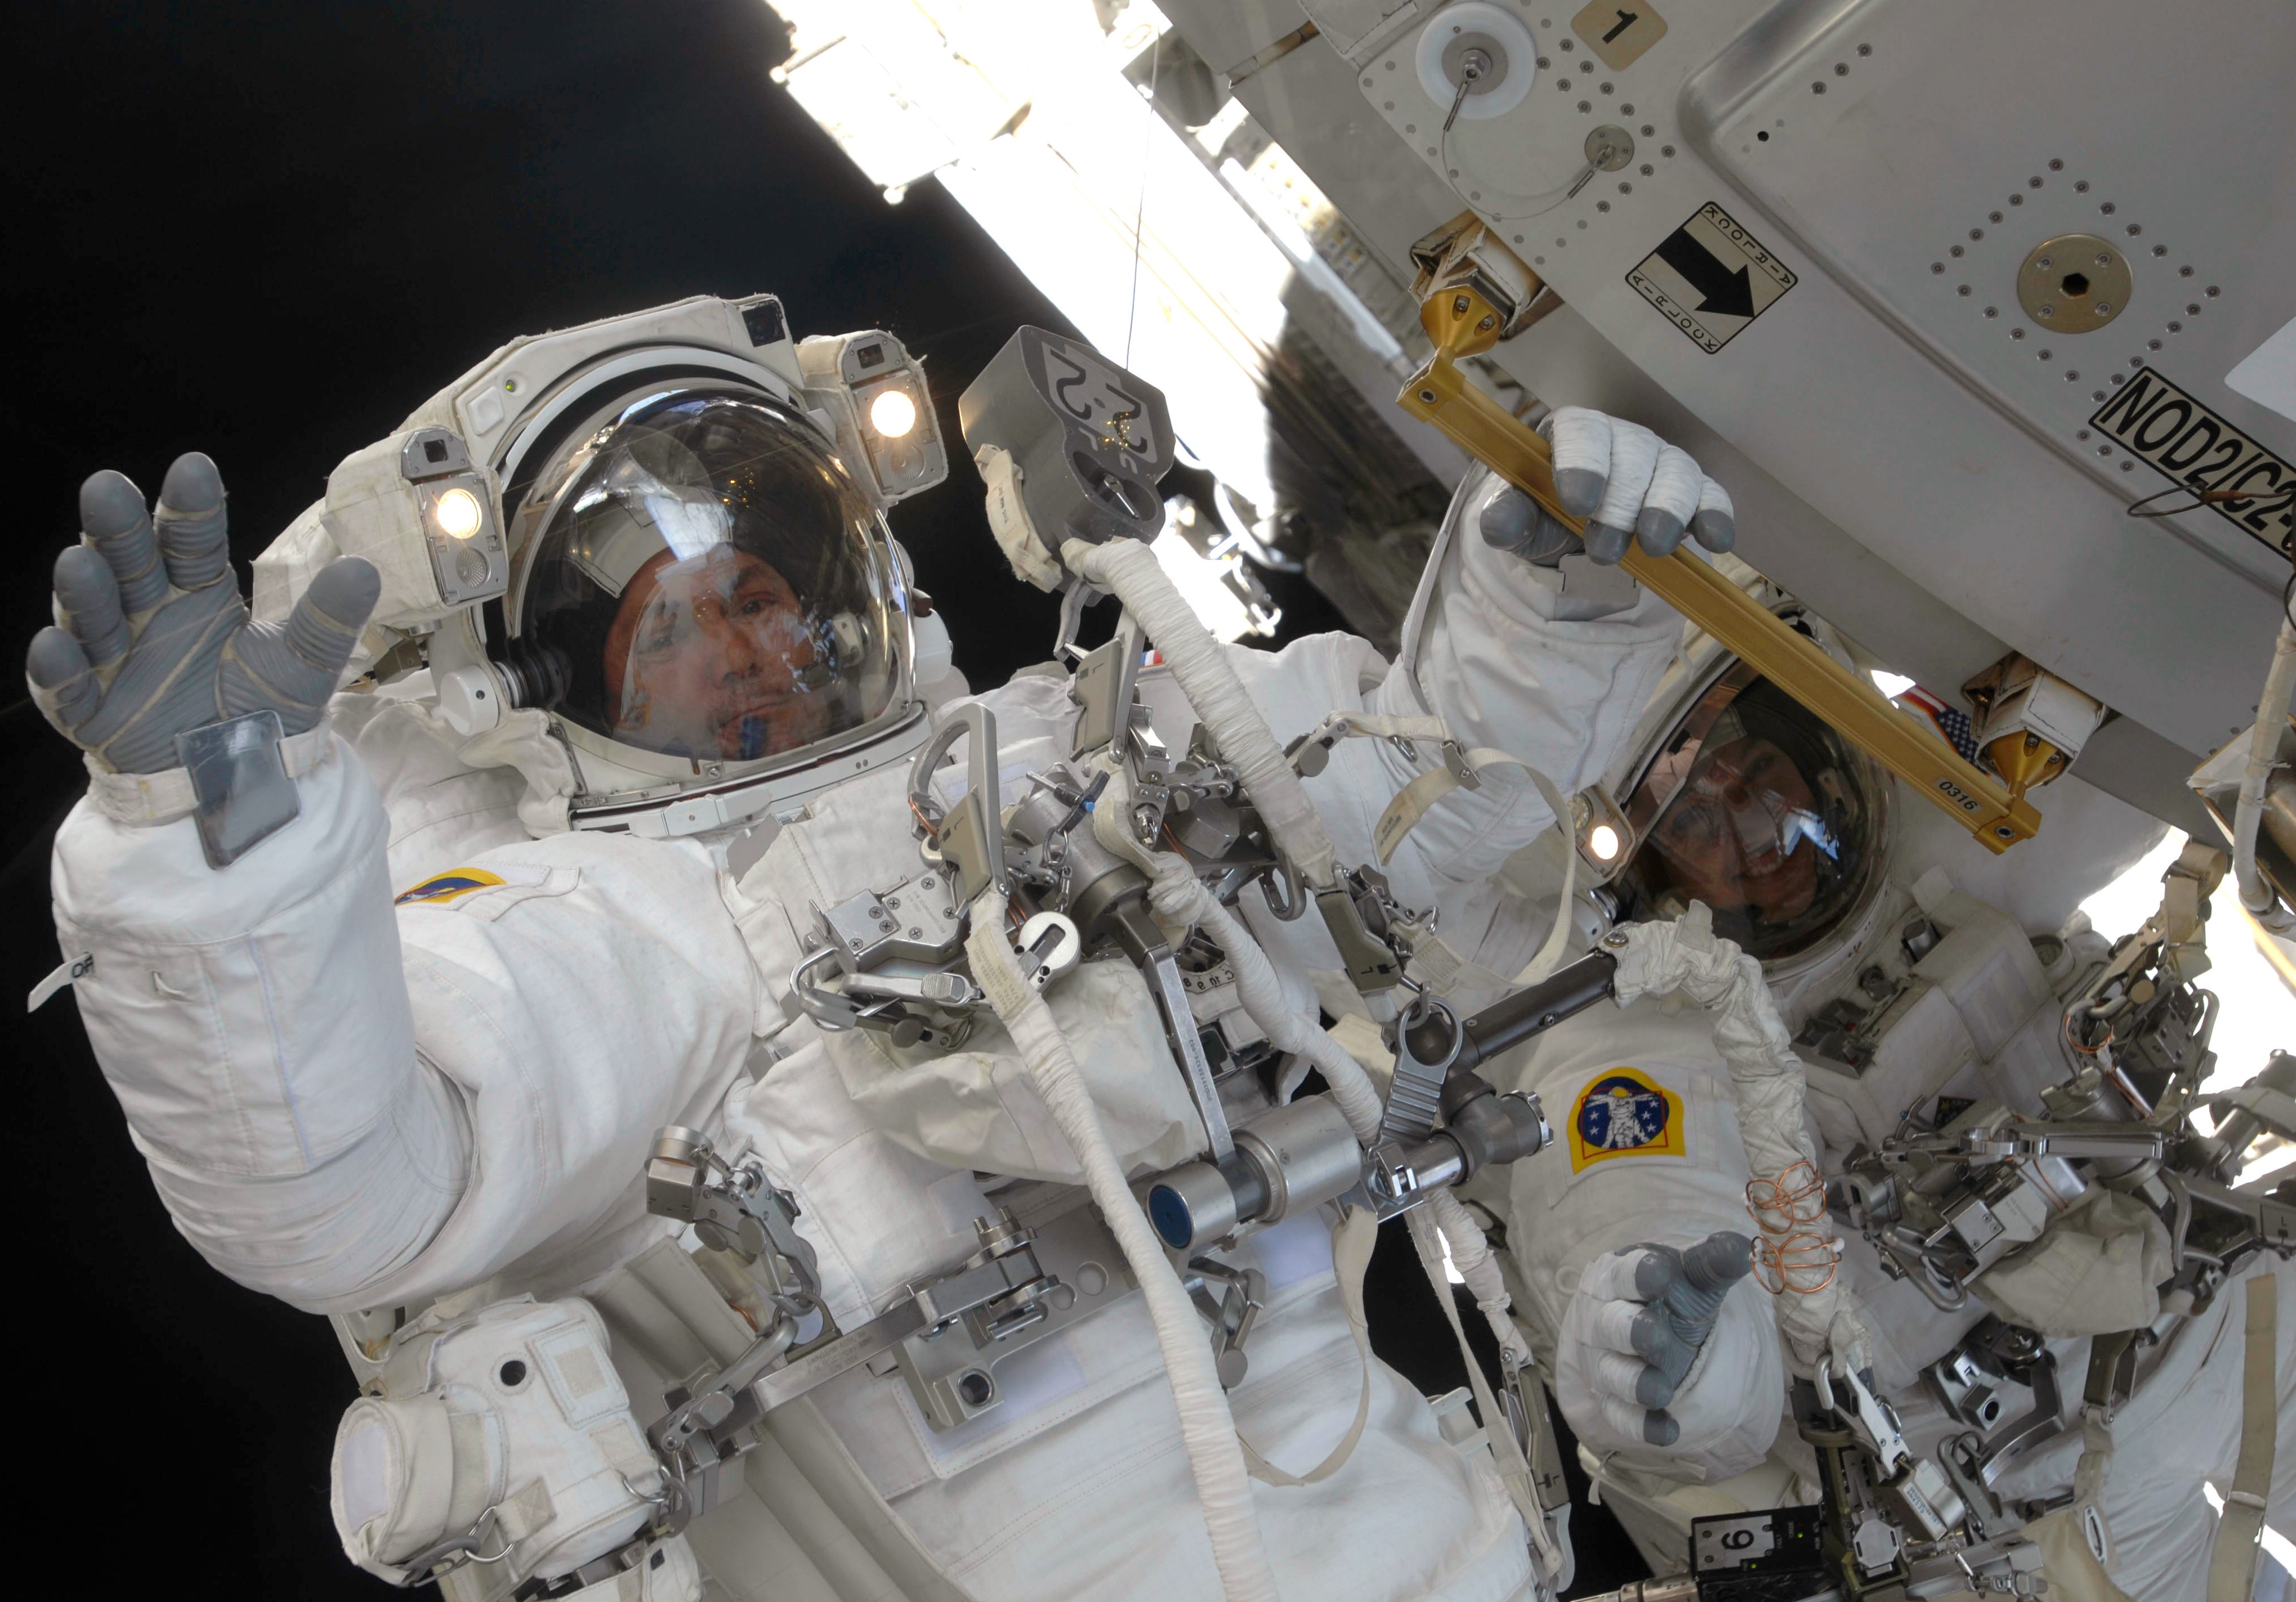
point(1625, 481)
point(153, 640)
point(1654, 1307)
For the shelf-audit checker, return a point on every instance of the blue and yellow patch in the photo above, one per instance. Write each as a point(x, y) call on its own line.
point(440, 888)
point(1623, 1113)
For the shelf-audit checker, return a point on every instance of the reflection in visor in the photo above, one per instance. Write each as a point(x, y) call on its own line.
point(714, 657)
point(1758, 809)
point(1735, 792)
point(709, 584)
point(688, 518)
point(1736, 833)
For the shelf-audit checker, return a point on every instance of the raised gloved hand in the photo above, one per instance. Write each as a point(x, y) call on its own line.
point(1628, 483)
point(1640, 1317)
point(154, 639)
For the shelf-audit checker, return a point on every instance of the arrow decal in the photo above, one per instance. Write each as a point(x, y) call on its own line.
point(1729, 293)
point(1732, 278)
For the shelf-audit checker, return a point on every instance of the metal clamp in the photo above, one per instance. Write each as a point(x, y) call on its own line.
point(739, 1213)
point(1293, 901)
point(2119, 1140)
point(1049, 946)
point(998, 1300)
point(968, 837)
point(1232, 1313)
point(1868, 1416)
point(1024, 1284)
point(1415, 1094)
point(893, 955)
point(1916, 1489)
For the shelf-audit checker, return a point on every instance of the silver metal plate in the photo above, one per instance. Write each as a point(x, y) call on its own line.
point(241, 783)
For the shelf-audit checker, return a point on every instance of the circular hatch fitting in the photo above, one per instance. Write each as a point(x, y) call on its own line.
point(2074, 283)
point(1506, 62)
point(1610, 148)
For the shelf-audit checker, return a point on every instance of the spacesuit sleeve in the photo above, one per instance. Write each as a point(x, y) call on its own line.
point(1507, 656)
point(347, 1105)
point(1665, 1166)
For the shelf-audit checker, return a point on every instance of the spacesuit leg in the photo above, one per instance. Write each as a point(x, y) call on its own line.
point(2183, 1427)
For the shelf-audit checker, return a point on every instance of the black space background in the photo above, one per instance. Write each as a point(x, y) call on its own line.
point(266, 231)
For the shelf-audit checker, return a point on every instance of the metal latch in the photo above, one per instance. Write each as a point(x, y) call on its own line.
point(1232, 1310)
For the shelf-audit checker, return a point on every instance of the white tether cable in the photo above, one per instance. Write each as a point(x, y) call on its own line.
point(1129, 571)
point(1206, 1429)
point(1816, 1311)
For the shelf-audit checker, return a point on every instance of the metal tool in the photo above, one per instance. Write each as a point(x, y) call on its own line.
point(1290, 1159)
point(944, 1338)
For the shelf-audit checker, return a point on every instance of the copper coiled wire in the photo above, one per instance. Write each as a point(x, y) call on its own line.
point(1788, 1257)
point(1803, 1262)
point(2077, 1046)
point(1796, 1197)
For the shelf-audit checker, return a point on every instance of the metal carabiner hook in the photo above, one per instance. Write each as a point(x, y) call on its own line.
point(443, 1558)
point(1294, 900)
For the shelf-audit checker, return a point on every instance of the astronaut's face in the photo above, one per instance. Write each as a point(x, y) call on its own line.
point(711, 656)
point(1744, 835)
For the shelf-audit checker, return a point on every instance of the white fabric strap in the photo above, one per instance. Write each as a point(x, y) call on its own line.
point(1008, 520)
point(1409, 636)
point(1379, 725)
point(1352, 1240)
point(1413, 802)
point(1439, 968)
point(2232, 1562)
point(146, 800)
point(71, 971)
point(1408, 806)
point(1506, 1452)
point(1471, 1255)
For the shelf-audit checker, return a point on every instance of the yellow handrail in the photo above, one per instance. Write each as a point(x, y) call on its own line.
point(1458, 310)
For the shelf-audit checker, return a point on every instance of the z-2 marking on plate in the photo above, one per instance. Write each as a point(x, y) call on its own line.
point(1712, 278)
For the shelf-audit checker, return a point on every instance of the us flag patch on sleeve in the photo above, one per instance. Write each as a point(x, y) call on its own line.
point(442, 887)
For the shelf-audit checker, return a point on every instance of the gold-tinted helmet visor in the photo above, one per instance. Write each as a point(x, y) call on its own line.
point(1756, 807)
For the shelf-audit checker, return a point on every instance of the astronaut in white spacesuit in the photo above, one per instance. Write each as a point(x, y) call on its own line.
point(480, 929)
point(1922, 977)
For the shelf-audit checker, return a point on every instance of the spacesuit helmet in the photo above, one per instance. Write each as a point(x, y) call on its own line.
point(665, 533)
point(702, 586)
point(1752, 804)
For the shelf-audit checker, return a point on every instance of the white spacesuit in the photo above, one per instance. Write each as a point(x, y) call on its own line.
point(1912, 966)
point(395, 1013)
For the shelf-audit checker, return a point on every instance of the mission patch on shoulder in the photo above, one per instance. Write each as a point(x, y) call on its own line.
point(1624, 1113)
point(442, 887)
